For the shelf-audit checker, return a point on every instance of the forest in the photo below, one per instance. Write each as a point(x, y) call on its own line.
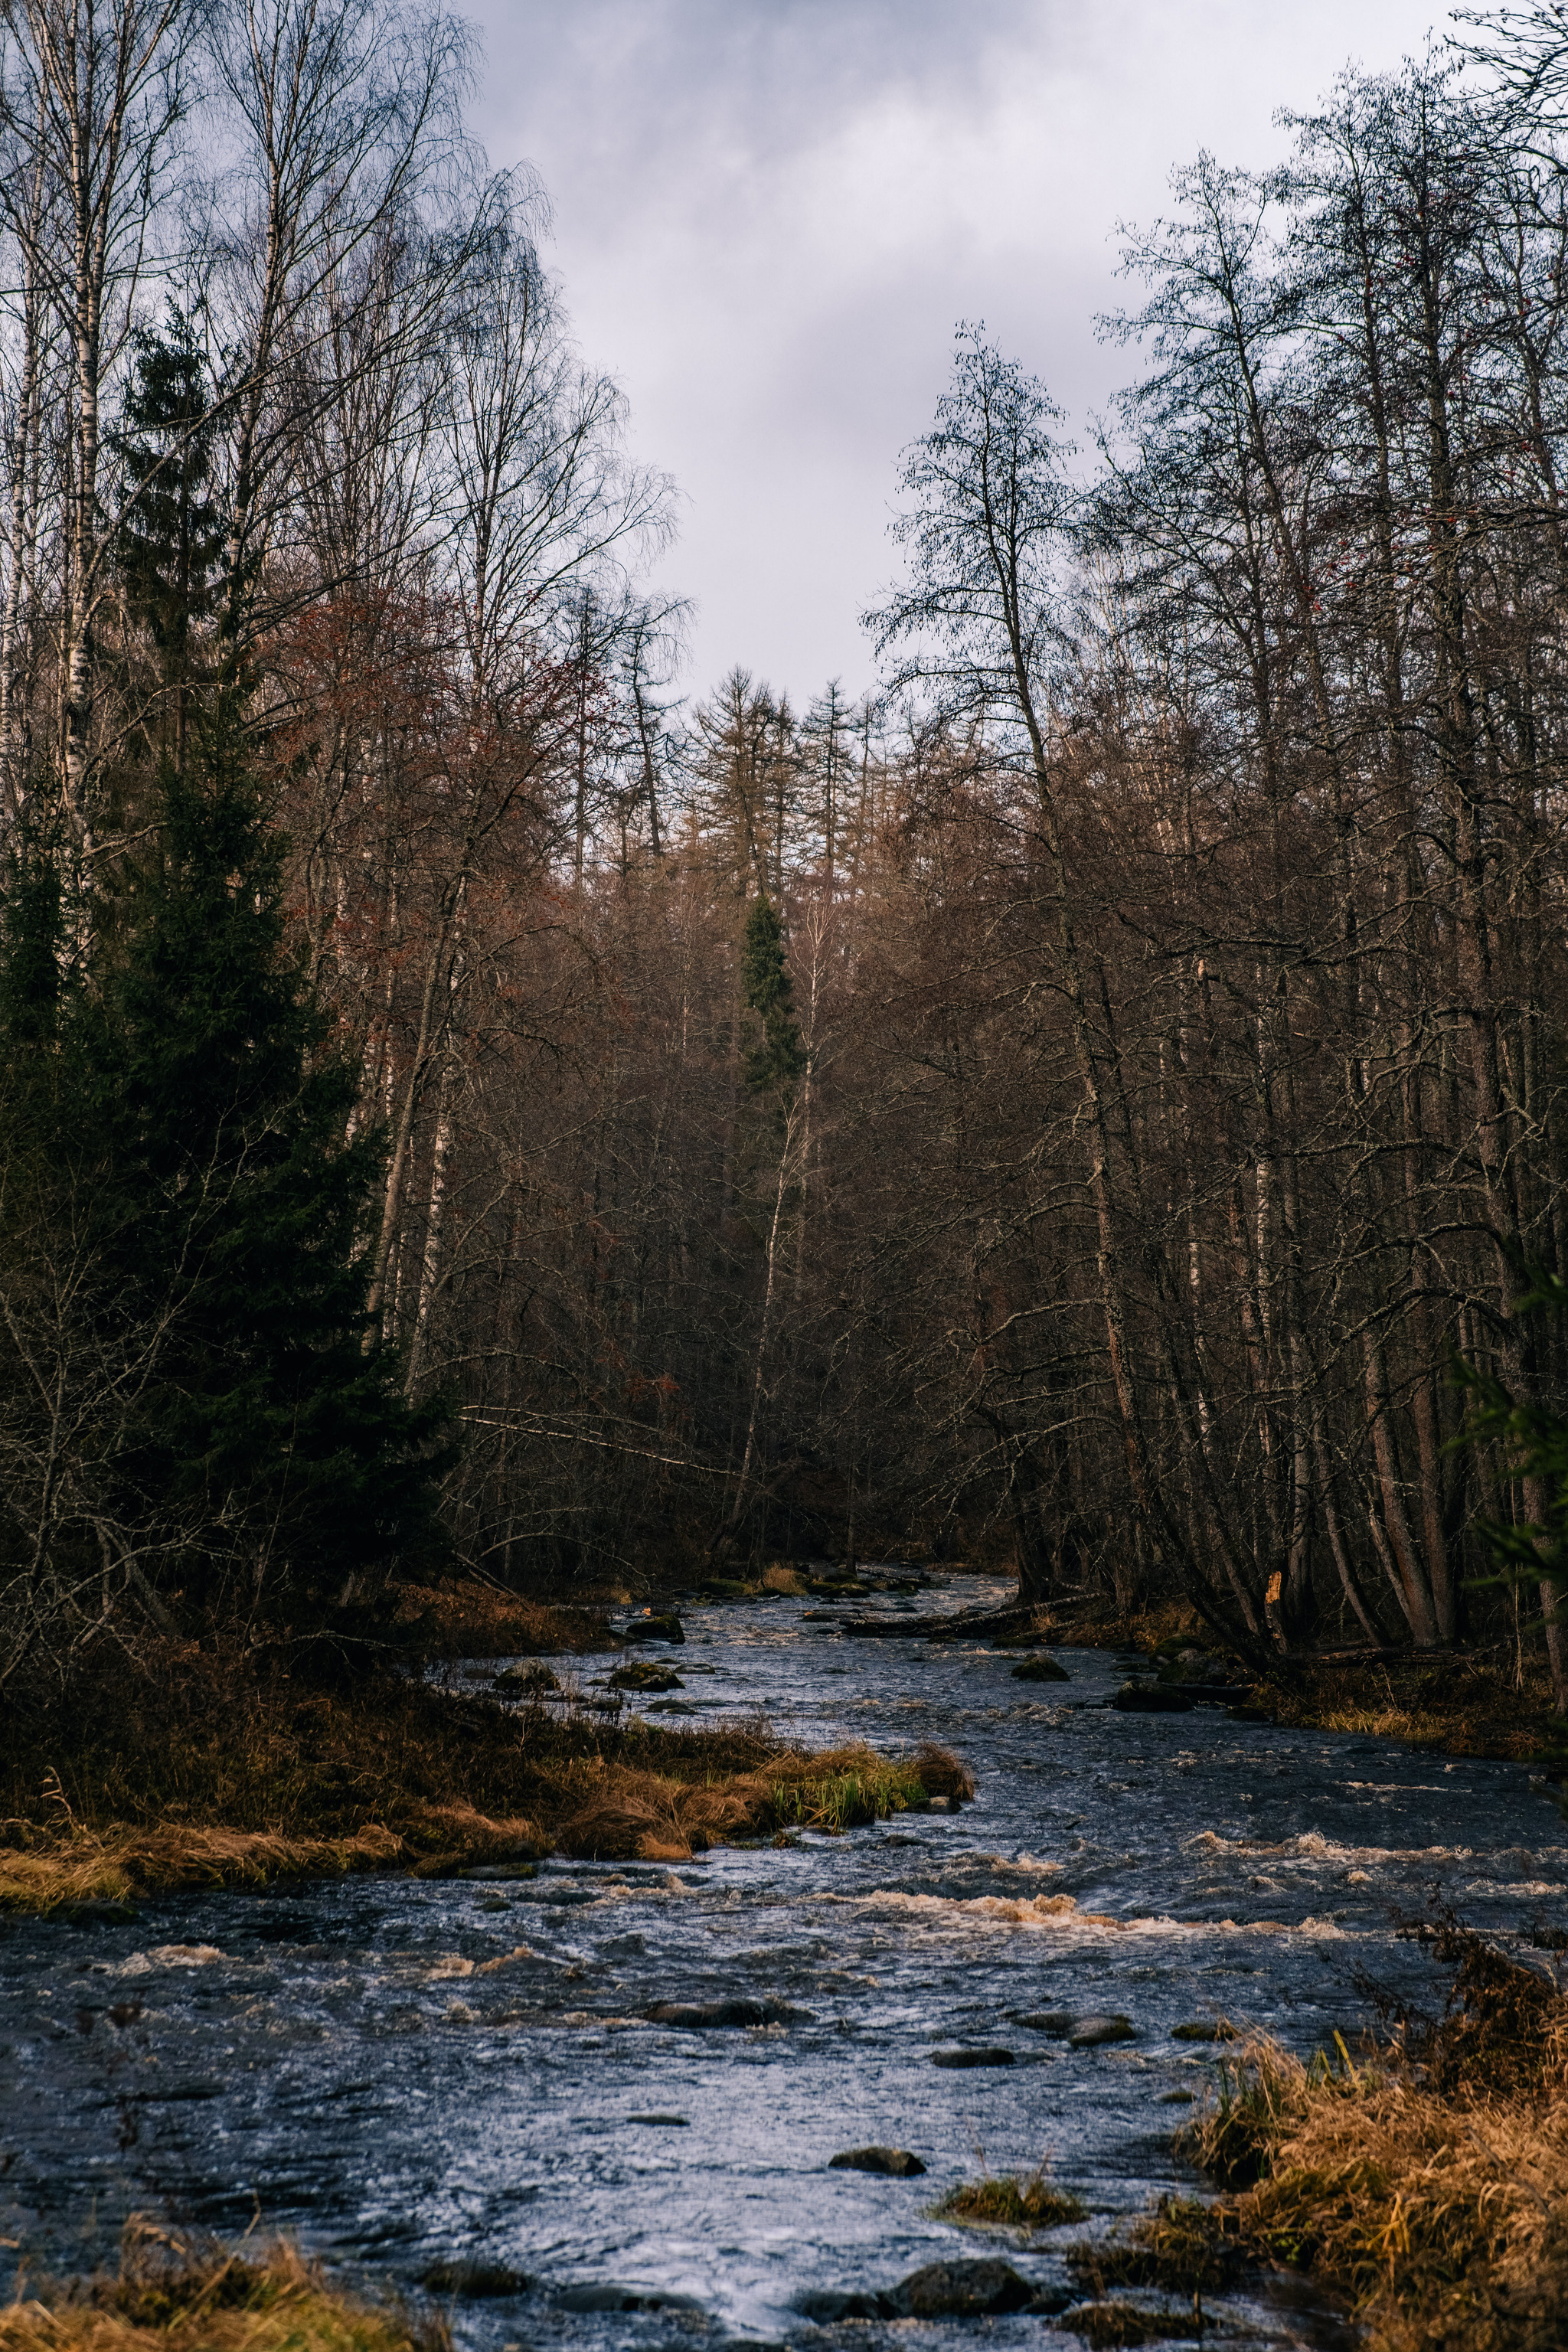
point(473, 1108)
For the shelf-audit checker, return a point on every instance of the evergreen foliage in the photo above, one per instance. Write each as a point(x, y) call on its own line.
point(189, 1090)
point(776, 1066)
point(171, 540)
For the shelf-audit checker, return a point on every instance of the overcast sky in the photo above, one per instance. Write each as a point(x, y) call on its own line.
point(769, 215)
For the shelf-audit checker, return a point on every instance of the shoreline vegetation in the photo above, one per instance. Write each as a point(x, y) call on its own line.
point(1422, 2182)
point(172, 2294)
point(208, 1772)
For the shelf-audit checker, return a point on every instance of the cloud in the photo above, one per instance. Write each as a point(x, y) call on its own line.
point(770, 213)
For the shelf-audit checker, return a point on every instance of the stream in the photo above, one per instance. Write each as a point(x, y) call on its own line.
point(405, 2073)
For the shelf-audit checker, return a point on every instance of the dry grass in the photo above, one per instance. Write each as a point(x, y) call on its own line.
point(1013, 2201)
point(1430, 2188)
point(1458, 1702)
point(473, 1620)
point(174, 2298)
point(779, 1576)
point(660, 1818)
point(215, 1778)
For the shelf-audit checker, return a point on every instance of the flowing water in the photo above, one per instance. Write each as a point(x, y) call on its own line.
point(403, 2073)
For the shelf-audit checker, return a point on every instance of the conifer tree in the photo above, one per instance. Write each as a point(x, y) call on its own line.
point(171, 540)
point(279, 1416)
point(776, 1066)
point(185, 1156)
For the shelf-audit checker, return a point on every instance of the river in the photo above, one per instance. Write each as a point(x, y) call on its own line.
point(403, 2074)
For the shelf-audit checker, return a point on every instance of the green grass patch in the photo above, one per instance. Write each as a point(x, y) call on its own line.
point(1015, 2201)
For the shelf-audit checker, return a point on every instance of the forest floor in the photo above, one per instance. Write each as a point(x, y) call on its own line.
point(201, 1773)
point(1473, 1701)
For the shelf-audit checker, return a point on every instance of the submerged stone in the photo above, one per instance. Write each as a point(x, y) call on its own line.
point(1093, 2033)
point(1148, 1698)
point(1054, 2021)
point(972, 2058)
point(734, 2012)
point(1203, 2029)
point(898, 2163)
point(623, 2298)
point(474, 2281)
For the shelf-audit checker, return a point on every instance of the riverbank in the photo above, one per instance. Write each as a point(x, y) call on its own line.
point(1424, 2183)
point(1462, 1702)
point(172, 2296)
point(203, 1775)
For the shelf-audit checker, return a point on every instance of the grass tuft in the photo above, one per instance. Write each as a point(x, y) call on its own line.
point(1016, 2201)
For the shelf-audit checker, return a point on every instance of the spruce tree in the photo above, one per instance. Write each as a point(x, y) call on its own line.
point(276, 1425)
point(171, 541)
point(776, 1066)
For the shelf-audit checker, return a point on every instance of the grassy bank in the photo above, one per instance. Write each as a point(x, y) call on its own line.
point(203, 1774)
point(173, 2297)
point(1464, 1702)
point(1426, 2185)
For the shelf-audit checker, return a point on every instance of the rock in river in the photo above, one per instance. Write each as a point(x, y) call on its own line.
point(971, 2058)
point(642, 1674)
point(1093, 2033)
point(973, 2290)
point(474, 2280)
point(1040, 1670)
point(897, 2162)
point(727, 2012)
point(1148, 1698)
point(649, 1628)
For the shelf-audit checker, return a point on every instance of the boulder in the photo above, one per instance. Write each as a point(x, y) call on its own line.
point(1094, 2033)
point(962, 2290)
point(1040, 1670)
point(971, 2058)
point(473, 2281)
point(649, 1628)
point(1204, 2029)
point(643, 1675)
point(732, 2012)
point(1057, 2023)
point(534, 1676)
point(896, 2162)
point(1150, 1698)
